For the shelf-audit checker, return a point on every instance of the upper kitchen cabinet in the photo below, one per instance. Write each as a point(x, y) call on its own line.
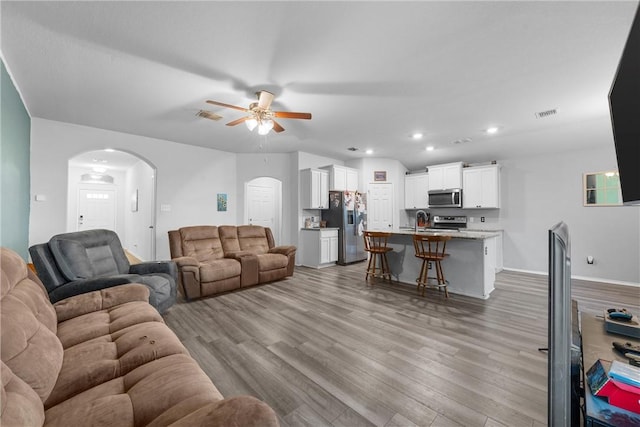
point(481, 187)
point(314, 188)
point(416, 191)
point(342, 178)
point(446, 176)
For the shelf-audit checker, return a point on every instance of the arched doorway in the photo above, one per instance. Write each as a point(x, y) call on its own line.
point(263, 204)
point(115, 190)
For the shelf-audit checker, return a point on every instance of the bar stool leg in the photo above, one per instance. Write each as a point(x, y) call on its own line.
point(441, 280)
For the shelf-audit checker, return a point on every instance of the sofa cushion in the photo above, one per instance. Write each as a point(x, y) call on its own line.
point(219, 270)
point(104, 322)
point(21, 406)
point(94, 253)
point(201, 242)
point(253, 238)
point(269, 262)
point(165, 389)
point(89, 364)
point(29, 346)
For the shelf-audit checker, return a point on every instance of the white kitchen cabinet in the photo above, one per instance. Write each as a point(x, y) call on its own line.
point(352, 179)
point(416, 191)
point(314, 188)
point(342, 178)
point(481, 187)
point(319, 247)
point(446, 176)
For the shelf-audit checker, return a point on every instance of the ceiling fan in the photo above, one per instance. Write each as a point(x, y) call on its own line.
point(261, 115)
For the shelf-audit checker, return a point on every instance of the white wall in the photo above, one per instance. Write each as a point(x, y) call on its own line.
point(188, 178)
point(272, 165)
point(539, 191)
point(137, 237)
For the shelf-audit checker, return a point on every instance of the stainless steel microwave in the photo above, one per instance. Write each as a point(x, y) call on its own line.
point(451, 198)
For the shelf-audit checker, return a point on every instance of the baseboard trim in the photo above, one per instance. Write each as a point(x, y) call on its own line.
point(585, 278)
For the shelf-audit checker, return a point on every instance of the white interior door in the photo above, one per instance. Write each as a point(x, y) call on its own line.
point(96, 209)
point(261, 205)
point(380, 207)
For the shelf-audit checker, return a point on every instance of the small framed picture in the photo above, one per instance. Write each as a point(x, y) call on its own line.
point(222, 202)
point(380, 175)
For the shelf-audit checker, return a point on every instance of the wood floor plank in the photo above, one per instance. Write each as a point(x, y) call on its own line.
point(326, 348)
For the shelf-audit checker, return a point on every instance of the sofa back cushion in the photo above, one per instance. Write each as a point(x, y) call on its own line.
point(29, 345)
point(251, 238)
point(201, 242)
point(90, 253)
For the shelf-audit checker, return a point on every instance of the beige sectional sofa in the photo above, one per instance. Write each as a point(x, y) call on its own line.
point(102, 358)
point(213, 259)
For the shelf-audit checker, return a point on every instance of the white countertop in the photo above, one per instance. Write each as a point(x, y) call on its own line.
point(320, 228)
point(466, 234)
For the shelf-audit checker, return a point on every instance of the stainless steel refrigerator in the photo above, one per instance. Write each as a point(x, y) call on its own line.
point(348, 212)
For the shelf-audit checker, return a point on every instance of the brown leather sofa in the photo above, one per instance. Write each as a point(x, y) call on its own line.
point(213, 259)
point(102, 358)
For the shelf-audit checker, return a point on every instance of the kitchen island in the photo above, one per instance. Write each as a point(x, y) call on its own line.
point(470, 267)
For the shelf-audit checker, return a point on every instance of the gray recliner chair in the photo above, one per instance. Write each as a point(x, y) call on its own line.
point(84, 261)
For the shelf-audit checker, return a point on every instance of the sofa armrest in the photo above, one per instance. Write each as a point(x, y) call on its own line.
point(83, 286)
point(246, 411)
point(150, 267)
point(100, 300)
point(185, 261)
point(284, 250)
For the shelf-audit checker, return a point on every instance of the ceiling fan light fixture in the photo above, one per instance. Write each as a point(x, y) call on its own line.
point(251, 123)
point(265, 126)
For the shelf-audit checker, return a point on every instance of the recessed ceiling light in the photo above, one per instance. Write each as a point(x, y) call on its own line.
point(492, 130)
point(417, 135)
point(369, 151)
point(109, 150)
point(430, 148)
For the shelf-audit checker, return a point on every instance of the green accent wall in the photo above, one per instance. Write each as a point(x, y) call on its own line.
point(15, 143)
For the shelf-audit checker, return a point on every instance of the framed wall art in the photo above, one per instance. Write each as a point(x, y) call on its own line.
point(380, 175)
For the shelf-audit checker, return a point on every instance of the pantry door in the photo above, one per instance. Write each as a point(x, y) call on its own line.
point(380, 207)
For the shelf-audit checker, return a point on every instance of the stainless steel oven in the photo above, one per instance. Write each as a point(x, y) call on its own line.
point(451, 198)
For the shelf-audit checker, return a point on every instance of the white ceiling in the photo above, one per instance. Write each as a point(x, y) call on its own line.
point(371, 73)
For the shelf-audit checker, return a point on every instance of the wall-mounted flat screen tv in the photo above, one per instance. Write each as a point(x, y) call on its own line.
point(624, 105)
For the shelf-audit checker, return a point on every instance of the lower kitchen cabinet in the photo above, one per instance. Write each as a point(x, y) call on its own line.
point(319, 247)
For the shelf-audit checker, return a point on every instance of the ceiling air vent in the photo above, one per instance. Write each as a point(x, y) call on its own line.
point(208, 115)
point(547, 113)
point(461, 141)
point(353, 148)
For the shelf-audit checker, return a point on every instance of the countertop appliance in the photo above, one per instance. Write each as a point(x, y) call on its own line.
point(450, 198)
point(449, 223)
point(348, 212)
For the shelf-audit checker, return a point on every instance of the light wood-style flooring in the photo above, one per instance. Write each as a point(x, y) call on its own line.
point(326, 348)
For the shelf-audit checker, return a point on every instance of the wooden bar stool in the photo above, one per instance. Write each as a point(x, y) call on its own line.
point(431, 249)
point(375, 242)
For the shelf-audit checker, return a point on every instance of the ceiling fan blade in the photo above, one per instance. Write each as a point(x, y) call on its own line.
point(238, 121)
point(265, 99)
point(277, 127)
point(291, 115)
point(222, 104)
point(208, 115)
